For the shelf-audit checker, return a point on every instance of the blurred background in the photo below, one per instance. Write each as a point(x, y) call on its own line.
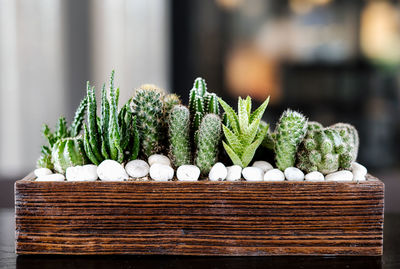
point(333, 60)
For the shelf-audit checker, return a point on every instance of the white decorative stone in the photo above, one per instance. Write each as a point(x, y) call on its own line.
point(161, 172)
point(359, 171)
point(137, 168)
point(218, 172)
point(188, 173)
point(110, 170)
point(234, 173)
point(265, 166)
point(52, 177)
point(253, 173)
point(343, 176)
point(159, 158)
point(274, 175)
point(82, 173)
point(294, 174)
point(315, 177)
point(42, 172)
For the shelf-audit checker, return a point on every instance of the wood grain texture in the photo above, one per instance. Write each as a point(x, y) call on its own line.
point(199, 218)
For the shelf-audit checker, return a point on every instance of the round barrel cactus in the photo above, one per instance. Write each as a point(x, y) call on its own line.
point(68, 152)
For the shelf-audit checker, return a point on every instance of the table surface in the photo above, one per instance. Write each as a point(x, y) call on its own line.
point(8, 259)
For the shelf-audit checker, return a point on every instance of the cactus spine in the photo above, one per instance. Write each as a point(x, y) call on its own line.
point(289, 132)
point(179, 135)
point(209, 135)
point(68, 152)
point(147, 106)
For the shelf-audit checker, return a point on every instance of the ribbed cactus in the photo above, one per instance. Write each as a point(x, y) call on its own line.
point(350, 136)
point(113, 135)
point(244, 134)
point(68, 152)
point(325, 150)
point(179, 135)
point(147, 106)
point(209, 135)
point(289, 132)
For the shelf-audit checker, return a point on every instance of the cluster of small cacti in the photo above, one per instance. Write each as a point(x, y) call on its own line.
point(194, 137)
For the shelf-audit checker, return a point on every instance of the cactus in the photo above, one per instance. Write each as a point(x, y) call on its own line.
point(68, 152)
point(325, 150)
point(209, 135)
point(350, 136)
point(169, 101)
point(289, 132)
point(179, 135)
point(245, 134)
point(147, 106)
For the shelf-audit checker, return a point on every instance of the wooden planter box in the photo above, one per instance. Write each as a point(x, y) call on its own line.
point(199, 218)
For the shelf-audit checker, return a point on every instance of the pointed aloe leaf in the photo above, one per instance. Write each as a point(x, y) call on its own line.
point(76, 125)
point(231, 115)
point(232, 155)
point(233, 140)
point(250, 133)
point(258, 113)
point(248, 105)
point(134, 151)
point(243, 116)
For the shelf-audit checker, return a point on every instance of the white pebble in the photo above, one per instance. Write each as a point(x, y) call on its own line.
point(82, 173)
point(161, 172)
point(218, 172)
point(294, 174)
point(234, 173)
point(159, 158)
point(315, 177)
point(137, 168)
point(265, 166)
point(253, 173)
point(188, 173)
point(42, 172)
point(274, 175)
point(359, 171)
point(52, 177)
point(110, 170)
point(343, 176)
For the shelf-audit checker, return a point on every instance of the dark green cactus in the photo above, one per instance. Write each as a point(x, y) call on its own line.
point(325, 150)
point(209, 135)
point(289, 132)
point(68, 152)
point(147, 106)
point(179, 135)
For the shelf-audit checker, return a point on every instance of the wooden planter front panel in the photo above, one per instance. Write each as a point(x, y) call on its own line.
point(199, 218)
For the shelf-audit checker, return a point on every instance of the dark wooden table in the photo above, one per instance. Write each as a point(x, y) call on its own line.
point(390, 259)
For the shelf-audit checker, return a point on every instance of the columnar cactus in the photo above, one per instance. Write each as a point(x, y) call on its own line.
point(179, 135)
point(289, 132)
point(147, 106)
point(68, 152)
point(209, 135)
point(325, 150)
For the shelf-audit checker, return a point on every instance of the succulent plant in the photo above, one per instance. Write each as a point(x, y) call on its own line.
point(169, 101)
point(147, 106)
point(244, 134)
point(289, 132)
point(209, 135)
point(326, 149)
point(114, 135)
point(350, 136)
point(179, 135)
point(68, 152)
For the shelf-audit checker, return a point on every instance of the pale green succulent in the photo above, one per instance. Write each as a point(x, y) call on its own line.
point(244, 134)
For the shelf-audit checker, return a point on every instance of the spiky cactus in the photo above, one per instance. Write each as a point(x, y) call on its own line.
point(179, 135)
point(244, 135)
point(209, 135)
point(350, 136)
point(325, 150)
point(169, 101)
point(147, 106)
point(68, 152)
point(289, 132)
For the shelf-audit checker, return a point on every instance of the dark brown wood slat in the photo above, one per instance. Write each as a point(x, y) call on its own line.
point(199, 218)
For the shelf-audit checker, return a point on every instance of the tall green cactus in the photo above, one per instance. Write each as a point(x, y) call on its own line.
point(179, 135)
point(289, 132)
point(68, 152)
point(147, 106)
point(245, 134)
point(209, 135)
